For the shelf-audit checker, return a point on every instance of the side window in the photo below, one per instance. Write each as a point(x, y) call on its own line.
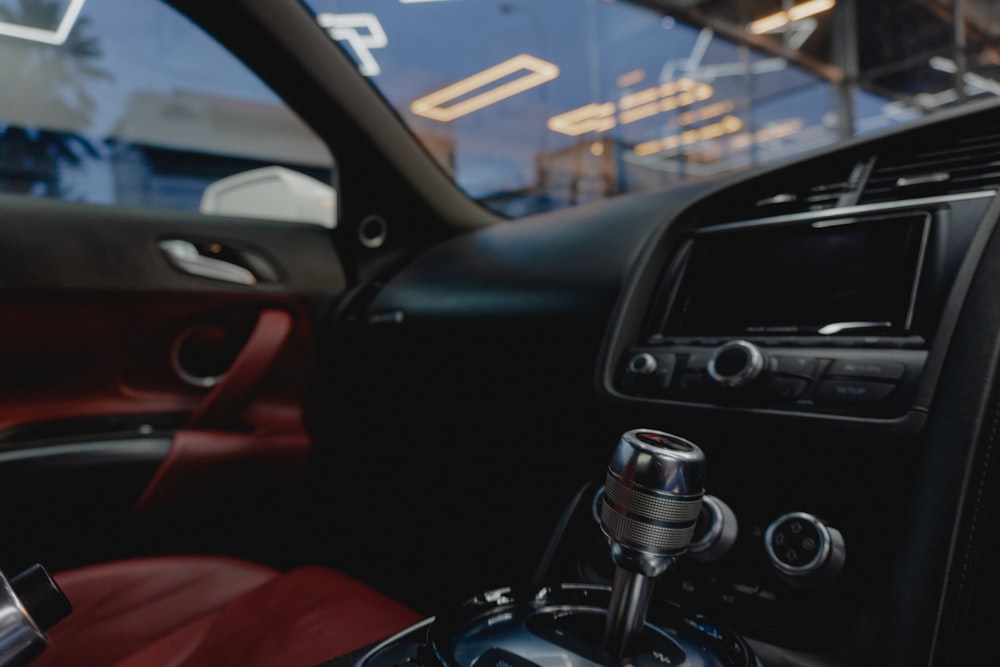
point(126, 102)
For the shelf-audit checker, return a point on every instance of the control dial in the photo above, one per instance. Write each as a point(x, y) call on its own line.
point(715, 532)
point(804, 550)
point(736, 364)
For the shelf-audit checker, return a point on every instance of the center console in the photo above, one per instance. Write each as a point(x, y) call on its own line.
point(831, 314)
point(649, 511)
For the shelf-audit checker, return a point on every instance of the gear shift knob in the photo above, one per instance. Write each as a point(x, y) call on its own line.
point(652, 497)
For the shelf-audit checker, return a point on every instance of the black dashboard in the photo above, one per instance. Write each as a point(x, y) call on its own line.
point(829, 298)
point(822, 329)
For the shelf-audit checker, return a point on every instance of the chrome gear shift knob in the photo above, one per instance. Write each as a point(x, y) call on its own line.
point(652, 497)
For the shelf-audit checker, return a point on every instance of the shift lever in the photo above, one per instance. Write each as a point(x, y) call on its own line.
point(651, 502)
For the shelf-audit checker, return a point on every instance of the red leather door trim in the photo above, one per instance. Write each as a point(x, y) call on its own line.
point(223, 405)
point(206, 458)
point(201, 463)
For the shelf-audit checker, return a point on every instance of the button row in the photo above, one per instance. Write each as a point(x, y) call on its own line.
point(681, 373)
point(886, 342)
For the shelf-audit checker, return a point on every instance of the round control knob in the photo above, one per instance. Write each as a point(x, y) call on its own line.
point(736, 364)
point(715, 532)
point(642, 364)
point(803, 549)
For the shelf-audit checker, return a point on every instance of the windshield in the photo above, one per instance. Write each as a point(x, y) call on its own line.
point(537, 105)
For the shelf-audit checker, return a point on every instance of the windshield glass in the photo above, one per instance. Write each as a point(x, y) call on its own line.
point(537, 105)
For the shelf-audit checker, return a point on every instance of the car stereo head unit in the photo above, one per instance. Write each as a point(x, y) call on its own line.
point(813, 316)
point(854, 276)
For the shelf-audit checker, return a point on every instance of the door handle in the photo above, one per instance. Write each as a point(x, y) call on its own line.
point(186, 257)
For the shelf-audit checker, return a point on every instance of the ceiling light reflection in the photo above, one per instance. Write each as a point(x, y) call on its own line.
point(538, 72)
point(659, 99)
point(589, 118)
point(728, 125)
point(631, 78)
point(778, 20)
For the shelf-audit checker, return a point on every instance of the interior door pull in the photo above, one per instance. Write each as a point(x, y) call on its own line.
point(186, 257)
point(224, 403)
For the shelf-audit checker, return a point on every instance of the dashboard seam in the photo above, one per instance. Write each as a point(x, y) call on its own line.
point(970, 552)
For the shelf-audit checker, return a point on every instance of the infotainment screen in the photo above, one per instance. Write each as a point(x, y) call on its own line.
point(847, 276)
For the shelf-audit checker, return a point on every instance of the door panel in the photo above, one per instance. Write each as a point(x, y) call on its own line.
point(119, 369)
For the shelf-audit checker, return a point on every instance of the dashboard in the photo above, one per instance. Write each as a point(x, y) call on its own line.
point(829, 293)
point(823, 329)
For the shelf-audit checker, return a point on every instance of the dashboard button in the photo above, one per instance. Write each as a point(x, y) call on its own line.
point(698, 361)
point(665, 364)
point(876, 370)
point(690, 385)
point(804, 366)
point(852, 391)
point(786, 389)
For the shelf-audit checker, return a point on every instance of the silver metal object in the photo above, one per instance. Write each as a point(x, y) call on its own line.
point(399, 636)
point(21, 640)
point(754, 366)
point(652, 497)
point(186, 257)
point(373, 231)
point(721, 534)
point(924, 179)
point(642, 364)
point(830, 552)
point(204, 382)
point(840, 327)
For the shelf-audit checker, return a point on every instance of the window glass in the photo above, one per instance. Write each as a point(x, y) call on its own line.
point(127, 102)
point(538, 105)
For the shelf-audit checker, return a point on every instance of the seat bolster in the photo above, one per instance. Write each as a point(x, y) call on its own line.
point(216, 612)
point(120, 607)
point(300, 619)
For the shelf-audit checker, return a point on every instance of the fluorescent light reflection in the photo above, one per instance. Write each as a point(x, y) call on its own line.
point(589, 118)
point(636, 106)
point(778, 20)
point(55, 37)
point(728, 125)
point(538, 72)
point(660, 99)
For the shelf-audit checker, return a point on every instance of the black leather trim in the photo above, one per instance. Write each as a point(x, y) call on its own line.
point(927, 574)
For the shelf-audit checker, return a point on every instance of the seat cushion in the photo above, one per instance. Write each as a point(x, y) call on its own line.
point(192, 611)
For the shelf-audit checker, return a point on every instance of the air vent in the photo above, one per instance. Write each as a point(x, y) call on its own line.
point(968, 162)
point(811, 187)
point(808, 198)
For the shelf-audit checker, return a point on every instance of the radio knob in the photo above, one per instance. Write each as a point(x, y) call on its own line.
point(736, 364)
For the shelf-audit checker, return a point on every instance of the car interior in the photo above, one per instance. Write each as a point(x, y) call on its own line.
point(378, 430)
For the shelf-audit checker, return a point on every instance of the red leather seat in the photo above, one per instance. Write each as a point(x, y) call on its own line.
point(208, 611)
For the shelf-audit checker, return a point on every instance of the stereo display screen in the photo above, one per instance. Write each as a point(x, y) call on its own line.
point(855, 276)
